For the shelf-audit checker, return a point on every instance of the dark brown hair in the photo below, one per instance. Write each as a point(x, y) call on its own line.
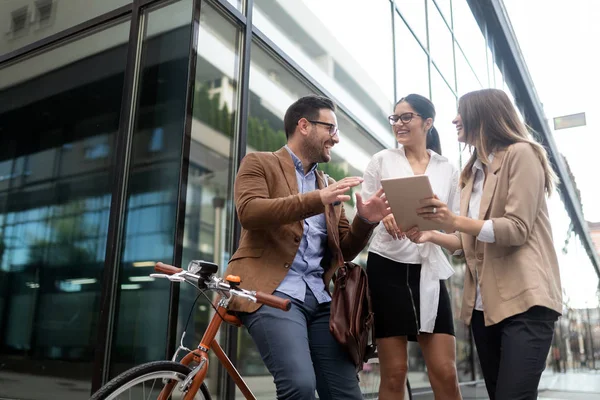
point(491, 123)
point(307, 107)
point(422, 105)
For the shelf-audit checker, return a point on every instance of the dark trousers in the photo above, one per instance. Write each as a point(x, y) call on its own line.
point(513, 352)
point(300, 352)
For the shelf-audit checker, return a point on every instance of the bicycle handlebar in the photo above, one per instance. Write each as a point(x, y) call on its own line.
point(166, 268)
point(220, 284)
point(273, 301)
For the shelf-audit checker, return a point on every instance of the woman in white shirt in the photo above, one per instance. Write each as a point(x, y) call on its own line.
point(410, 299)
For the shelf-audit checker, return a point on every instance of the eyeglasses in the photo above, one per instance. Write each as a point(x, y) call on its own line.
point(333, 130)
point(405, 118)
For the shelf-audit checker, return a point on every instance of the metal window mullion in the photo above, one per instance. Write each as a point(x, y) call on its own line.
point(121, 162)
point(393, 6)
point(227, 385)
point(429, 59)
point(395, 69)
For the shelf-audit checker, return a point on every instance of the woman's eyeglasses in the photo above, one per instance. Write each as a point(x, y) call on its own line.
point(405, 118)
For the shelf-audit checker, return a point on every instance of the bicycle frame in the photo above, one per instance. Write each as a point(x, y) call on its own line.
point(200, 356)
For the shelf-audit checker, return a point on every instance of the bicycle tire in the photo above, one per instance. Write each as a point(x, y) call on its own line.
point(169, 368)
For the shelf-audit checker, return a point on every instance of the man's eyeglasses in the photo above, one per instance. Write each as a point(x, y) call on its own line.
point(333, 130)
point(405, 118)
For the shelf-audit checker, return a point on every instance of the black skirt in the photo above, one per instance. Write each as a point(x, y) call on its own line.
point(395, 298)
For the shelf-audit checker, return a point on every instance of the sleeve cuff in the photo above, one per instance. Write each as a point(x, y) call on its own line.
point(486, 234)
point(366, 221)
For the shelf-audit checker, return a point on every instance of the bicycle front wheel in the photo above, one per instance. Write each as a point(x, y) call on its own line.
point(147, 381)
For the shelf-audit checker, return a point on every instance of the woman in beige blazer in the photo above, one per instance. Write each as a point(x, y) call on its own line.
point(512, 291)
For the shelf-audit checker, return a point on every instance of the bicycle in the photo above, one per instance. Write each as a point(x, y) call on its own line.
point(184, 380)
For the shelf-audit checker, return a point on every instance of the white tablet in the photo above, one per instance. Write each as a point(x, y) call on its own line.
point(403, 195)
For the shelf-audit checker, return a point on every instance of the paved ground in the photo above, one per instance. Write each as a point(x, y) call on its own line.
point(570, 386)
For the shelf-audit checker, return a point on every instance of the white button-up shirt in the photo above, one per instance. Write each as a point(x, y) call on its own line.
point(487, 231)
point(443, 176)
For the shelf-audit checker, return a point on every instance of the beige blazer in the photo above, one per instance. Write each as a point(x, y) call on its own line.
point(520, 269)
point(271, 212)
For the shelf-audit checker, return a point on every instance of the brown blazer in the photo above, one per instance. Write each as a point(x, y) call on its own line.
point(271, 212)
point(520, 269)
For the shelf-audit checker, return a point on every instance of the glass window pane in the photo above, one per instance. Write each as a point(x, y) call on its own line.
point(412, 76)
point(209, 204)
point(466, 79)
point(236, 3)
point(440, 45)
point(469, 37)
point(445, 8)
point(59, 115)
point(445, 107)
point(498, 78)
point(337, 55)
point(413, 12)
point(153, 185)
point(23, 22)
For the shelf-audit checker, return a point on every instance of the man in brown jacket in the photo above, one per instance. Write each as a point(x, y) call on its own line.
point(293, 228)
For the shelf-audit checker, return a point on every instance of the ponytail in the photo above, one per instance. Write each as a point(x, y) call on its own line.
point(433, 141)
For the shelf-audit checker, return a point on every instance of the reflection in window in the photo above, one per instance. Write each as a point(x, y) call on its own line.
point(55, 198)
point(336, 54)
point(440, 44)
point(208, 211)
point(26, 22)
point(152, 191)
point(412, 74)
point(156, 141)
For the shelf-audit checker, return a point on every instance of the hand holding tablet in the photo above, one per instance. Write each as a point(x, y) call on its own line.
point(404, 195)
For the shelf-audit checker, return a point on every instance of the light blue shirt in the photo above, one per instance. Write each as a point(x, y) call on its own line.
point(306, 268)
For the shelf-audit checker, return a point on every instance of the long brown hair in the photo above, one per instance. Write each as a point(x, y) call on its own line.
point(491, 123)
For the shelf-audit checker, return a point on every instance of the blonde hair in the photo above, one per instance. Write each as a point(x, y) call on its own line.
point(490, 121)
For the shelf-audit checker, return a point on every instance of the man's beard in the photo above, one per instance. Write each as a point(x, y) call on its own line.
point(315, 152)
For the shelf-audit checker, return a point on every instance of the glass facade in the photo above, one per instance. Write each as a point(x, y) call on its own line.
point(123, 123)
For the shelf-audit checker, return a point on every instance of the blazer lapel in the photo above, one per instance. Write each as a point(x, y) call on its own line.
point(490, 184)
point(465, 196)
point(289, 170)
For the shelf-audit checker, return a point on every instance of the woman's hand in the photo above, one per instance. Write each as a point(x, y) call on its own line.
point(389, 222)
point(417, 236)
point(434, 209)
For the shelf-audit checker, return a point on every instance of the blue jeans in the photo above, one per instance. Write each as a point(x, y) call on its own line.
point(300, 352)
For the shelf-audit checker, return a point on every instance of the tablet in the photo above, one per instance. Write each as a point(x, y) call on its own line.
point(403, 195)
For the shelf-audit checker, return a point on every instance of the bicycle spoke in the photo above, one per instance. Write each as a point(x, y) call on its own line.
point(151, 389)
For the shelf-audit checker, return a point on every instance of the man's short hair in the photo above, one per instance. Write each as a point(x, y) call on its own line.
point(305, 107)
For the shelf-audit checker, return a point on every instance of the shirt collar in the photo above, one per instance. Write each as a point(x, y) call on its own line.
point(298, 164)
point(478, 165)
point(435, 156)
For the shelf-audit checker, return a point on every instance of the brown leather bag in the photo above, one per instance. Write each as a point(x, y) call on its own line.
point(351, 321)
